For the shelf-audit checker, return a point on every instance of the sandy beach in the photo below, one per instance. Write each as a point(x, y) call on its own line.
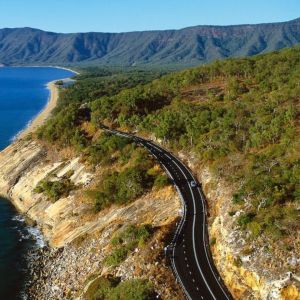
point(45, 113)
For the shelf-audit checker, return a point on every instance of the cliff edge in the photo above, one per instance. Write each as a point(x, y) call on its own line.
point(79, 237)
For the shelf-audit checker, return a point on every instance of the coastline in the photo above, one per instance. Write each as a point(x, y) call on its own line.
point(29, 236)
point(45, 113)
point(39, 250)
point(42, 116)
point(76, 239)
point(41, 66)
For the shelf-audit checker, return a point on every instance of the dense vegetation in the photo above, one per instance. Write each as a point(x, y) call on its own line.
point(175, 48)
point(136, 172)
point(55, 189)
point(240, 117)
point(92, 83)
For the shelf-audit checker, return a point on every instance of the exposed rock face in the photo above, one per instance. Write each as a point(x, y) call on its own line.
point(23, 165)
point(80, 238)
point(83, 236)
point(248, 269)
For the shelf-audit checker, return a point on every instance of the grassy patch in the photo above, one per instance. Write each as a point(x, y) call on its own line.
point(113, 289)
point(125, 241)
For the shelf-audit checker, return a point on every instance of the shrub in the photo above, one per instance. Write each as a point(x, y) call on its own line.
point(126, 240)
point(64, 129)
point(213, 241)
point(106, 145)
point(237, 198)
point(255, 228)
point(100, 199)
point(134, 289)
point(245, 219)
point(130, 184)
point(132, 233)
point(238, 262)
point(100, 288)
point(121, 187)
point(59, 82)
point(161, 181)
point(113, 289)
point(116, 256)
point(55, 190)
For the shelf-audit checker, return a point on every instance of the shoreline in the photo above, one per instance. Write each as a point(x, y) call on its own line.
point(38, 66)
point(40, 250)
point(45, 113)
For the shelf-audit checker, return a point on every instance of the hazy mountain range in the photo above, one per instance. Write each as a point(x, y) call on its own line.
point(188, 46)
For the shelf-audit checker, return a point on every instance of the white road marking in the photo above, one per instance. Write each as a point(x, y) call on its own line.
point(180, 169)
point(168, 156)
point(178, 276)
point(205, 250)
point(152, 145)
point(204, 226)
point(194, 247)
point(167, 171)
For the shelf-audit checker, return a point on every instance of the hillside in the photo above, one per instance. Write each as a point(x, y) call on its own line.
point(106, 218)
point(236, 124)
point(176, 48)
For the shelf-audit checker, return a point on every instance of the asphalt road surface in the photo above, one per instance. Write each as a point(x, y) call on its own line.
point(189, 251)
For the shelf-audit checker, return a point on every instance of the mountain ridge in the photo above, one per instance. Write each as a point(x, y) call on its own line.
point(157, 30)
point(184, 47)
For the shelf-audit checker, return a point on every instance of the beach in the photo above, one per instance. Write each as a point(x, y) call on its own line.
point(45, 113)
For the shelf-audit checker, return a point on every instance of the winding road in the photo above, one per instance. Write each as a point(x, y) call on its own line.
point(189, 251)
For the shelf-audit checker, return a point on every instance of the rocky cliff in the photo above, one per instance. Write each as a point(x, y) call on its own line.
point(80, 238)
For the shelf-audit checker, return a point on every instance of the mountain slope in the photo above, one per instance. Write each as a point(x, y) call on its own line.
point(236, 124)
point(188, 46)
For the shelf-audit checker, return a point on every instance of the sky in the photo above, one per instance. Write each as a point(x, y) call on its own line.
point(136, 15)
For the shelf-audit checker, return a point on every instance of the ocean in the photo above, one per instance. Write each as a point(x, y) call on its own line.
point(23, 94)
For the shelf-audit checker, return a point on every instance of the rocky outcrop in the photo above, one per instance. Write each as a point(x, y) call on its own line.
point(78, 237)
point(23, 165)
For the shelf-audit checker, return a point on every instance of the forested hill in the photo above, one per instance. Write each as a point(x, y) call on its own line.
point(185, 47)
point(239, 116)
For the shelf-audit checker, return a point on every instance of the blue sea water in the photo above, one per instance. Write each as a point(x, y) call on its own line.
point(23, 94)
